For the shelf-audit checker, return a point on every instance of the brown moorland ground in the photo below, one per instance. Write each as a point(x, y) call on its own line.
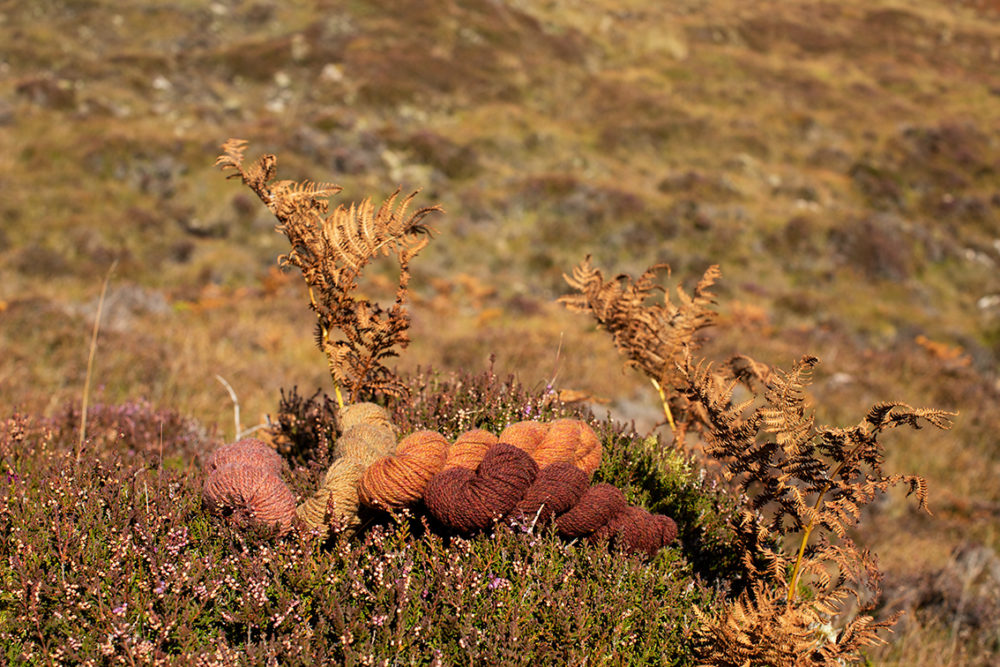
point(840, 161)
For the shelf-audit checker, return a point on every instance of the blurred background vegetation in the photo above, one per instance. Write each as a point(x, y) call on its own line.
point(840, 161)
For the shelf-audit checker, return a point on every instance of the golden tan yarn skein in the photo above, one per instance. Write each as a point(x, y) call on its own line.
point(368, 434)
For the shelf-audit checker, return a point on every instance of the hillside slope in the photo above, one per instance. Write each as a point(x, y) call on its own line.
point(840, 161)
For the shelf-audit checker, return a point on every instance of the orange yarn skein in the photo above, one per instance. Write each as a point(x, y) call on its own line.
point(399, 480)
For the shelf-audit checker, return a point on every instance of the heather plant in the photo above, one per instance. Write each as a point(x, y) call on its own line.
point(111, 561)
point(135, 430)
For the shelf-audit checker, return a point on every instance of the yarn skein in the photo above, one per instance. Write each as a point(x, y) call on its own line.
point(244, 482)
point(399, 480)
point(367, 436)
point(562, 440)
point(471, 500)
point(557, 488)
point(469, 449)
point(248, 450)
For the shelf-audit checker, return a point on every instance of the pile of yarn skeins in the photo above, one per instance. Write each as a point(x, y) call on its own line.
point(534, 471)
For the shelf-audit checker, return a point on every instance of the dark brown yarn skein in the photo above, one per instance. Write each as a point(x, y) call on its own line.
point(600, 504)
point(471, 500)
point(557, 488)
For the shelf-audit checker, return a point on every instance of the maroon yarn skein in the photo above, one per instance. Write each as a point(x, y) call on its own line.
point(600, 504)
point(636, 530)
point(557, 488)
point(471, 500)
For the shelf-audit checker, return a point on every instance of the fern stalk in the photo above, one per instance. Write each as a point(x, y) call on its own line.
point(796, 570)
point(326, 339)
point(666, 405)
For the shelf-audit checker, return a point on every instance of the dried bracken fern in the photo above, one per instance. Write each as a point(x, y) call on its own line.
point(332, 250)
point(654, 337)
point(799, 479)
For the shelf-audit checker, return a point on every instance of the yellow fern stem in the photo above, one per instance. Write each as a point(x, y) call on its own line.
point(793, 584)
point(666, 405)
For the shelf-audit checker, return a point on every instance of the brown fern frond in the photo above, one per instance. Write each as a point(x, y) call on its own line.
point(892, 414)
point(653, 337)
point(796, 477)
point(357, 336)
point(359, 233)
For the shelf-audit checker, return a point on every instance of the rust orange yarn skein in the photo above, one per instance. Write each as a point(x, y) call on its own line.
point(469, 449)
point(562, 440)
point(399, 480)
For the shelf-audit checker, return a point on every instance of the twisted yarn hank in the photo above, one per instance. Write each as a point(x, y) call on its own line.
point(368, 435)
point(563, 440)
point(471, 500)
point(508, 482)
point(244, 482)
point(399, 480)
point(469, 449)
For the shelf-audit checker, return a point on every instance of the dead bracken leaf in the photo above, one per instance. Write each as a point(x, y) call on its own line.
point(332, 249)
point(577, 396)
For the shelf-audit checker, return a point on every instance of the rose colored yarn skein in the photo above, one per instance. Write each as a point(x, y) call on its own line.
point(244, 482)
